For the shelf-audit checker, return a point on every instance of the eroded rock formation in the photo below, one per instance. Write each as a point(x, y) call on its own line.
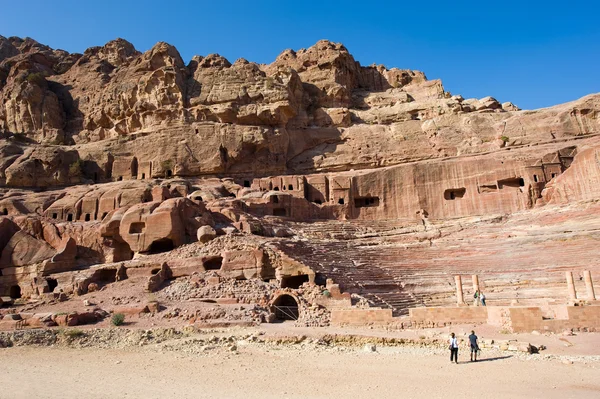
point(312, 171)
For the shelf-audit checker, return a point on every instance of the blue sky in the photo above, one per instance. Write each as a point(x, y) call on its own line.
point(533, 53)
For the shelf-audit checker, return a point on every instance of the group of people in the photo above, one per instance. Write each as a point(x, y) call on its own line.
point(473, 343)
point(478, 298)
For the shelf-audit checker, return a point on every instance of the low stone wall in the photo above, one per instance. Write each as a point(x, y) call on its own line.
point(515, 319)
point(361, 317)
point(439, 317)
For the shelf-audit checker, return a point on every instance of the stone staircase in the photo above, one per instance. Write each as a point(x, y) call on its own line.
point(517, 261)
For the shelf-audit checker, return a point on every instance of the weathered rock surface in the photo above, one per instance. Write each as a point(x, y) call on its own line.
point(275, 184)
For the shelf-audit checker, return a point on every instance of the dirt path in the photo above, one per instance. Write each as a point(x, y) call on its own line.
point(262, 372)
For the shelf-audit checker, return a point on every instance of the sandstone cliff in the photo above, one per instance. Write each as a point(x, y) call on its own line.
point(315, 109)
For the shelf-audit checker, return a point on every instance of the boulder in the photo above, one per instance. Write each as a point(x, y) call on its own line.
point(206, 234)
point(23, 249)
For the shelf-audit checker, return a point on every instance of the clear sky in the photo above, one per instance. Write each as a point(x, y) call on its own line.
point(533, 53)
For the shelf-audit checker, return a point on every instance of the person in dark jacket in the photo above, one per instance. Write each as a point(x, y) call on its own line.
point(474, 346)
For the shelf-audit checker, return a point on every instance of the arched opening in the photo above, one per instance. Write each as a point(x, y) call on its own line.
point(285, 307)
point(535, 178)
point(143, 176)
point(214, 263)
point(290, 187)
point(275, 188)
point(198, 198)
point(155, 271)
point(52, 284)
point(169, 173)
point(87, 217)
point(134, 168)
point(164, 245)
point(70, 217)
point(120, 178)
point(341, 201)
point(294, 281)
point(15, 292)
point(54, 215)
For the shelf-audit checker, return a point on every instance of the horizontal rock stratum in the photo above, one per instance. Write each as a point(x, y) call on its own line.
point(117, 164)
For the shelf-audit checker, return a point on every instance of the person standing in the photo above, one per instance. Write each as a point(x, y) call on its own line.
point(474, 345)
point(482, 298)
point(453, 348)
point(476, 298)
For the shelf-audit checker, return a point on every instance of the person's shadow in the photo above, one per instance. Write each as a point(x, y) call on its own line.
point(490, 359)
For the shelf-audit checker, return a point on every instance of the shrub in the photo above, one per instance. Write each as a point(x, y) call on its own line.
point(118, 319)
point(75, 169)
point(504, 138)
point(36, 78)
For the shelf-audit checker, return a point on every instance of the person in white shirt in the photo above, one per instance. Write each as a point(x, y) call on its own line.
point(453, 348)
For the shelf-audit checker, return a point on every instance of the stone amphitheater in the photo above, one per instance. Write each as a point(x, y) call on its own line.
point(313, 189)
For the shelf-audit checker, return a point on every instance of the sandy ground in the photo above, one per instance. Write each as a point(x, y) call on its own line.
point(285, 372)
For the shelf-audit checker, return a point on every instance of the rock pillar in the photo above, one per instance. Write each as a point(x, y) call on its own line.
point(475, 280)
point(589, 285)
point(571, 286)
point(460, 300)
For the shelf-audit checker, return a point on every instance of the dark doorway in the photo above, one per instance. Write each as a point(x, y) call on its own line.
point(213, 263)
point(285, 308)
point(15, 292)
point(454, 193)
point(105, 276)
point(164, 245)
point(247, 183)
point(70, 217)
point(52, 284)
point(5, 211)
point(294, 281)
point(279, 212)
point(87, 217)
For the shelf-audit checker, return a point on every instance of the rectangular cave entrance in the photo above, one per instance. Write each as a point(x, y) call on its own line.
point(294, 281)
point(454, 193)
point(52, 284)
point(514, 182)
point(137, 227)
point(213, 263)
point(279, 212)
point(160, 246)
point(365, 202)
point(15, 292)
point(105, 276)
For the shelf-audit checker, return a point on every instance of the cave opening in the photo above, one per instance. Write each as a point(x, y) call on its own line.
point(160, 246)
point(213, 263)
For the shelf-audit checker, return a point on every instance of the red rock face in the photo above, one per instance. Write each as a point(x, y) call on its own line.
point(120, 156)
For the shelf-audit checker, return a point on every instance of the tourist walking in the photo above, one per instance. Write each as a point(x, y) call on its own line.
point(474, 346)
point(482, 298)
point(453, 348)
point(476, 298)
